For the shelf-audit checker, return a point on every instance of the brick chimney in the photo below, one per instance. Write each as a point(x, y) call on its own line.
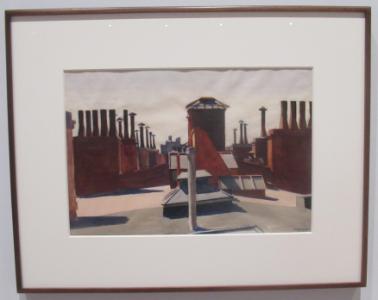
point(147, 137)
point(153, 140)
point(141, 132)
point(245, 133)
point(112, 123)
point(151, 144)
point(283, 120)
point(88, 123)
point(241, 140)
point(96, 130)
point(126, 124)
point(293, 115)
point(263, 129)
point(132, 125)
point(302, 115)
point(81, 123)
point(235, 140)
point(104, 122)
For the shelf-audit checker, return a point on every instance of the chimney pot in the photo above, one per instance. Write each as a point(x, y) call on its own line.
point(112, 123)
point(293, 115)
point(310, 119)
point(126, 124)
point(263, 129)
point(88, 123)
point(283, 121)
point(302, 115)
point(245, 133)
point(147, 137)
point(241, 140)
point(81, 123)
point(132, 125)
point(104, 122)
point(141, 132)
point(96, 131)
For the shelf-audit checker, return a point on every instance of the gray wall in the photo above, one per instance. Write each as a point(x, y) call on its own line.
point(7, 272)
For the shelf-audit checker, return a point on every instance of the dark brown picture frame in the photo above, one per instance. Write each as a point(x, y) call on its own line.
point(366, 11)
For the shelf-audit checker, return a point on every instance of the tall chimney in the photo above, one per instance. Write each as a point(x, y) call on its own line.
point(81, 123)
point(141, 132)
point(245, 134)
point(263, 129)
point(112, 123)
point(241, 141)
point(283, 120)
point(151, 145)
point(96, 131)
point(153, 141)
point(126, 124)
point(88, 123)
point(235, 130)
point(119, 120)
point(302, 115)
point(104, 122)
point(310, 120)
point(132, 125)
point(147, 137)
point(136, 137)
point(293, 115)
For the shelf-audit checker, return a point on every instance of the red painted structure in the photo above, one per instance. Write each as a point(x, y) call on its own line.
point(208, 114)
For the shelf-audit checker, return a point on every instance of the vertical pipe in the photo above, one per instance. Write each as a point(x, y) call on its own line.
point(283, 121)
point(126, 124)
point(302, 115)
point(192, 189)
point(132, 125)
point(96, 131)
point(153, 138)
point(293, 115)
point(263, 129)
point(81, 123)
point(88, 123)
point(235, 130)
point(245, 134)
point(141, 132)
point(147, 137)
point(112, 123)
point(151, 145)
point(104, 122)
point(241, 140)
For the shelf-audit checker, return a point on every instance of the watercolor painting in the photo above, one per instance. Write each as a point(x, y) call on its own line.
point(189, 151)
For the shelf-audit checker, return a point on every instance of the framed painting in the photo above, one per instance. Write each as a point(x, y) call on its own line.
point(189, 148)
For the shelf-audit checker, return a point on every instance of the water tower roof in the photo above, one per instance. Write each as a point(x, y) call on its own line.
point(206, 103)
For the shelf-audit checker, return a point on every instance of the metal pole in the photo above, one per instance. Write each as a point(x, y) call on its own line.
point(192, 191)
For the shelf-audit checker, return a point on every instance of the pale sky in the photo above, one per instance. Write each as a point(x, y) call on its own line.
point(159, 96)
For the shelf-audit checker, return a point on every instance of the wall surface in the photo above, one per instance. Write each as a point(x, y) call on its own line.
point(7, 271)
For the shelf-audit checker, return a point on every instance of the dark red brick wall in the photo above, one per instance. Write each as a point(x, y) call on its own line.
point(289, 158)
point(96, 163)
